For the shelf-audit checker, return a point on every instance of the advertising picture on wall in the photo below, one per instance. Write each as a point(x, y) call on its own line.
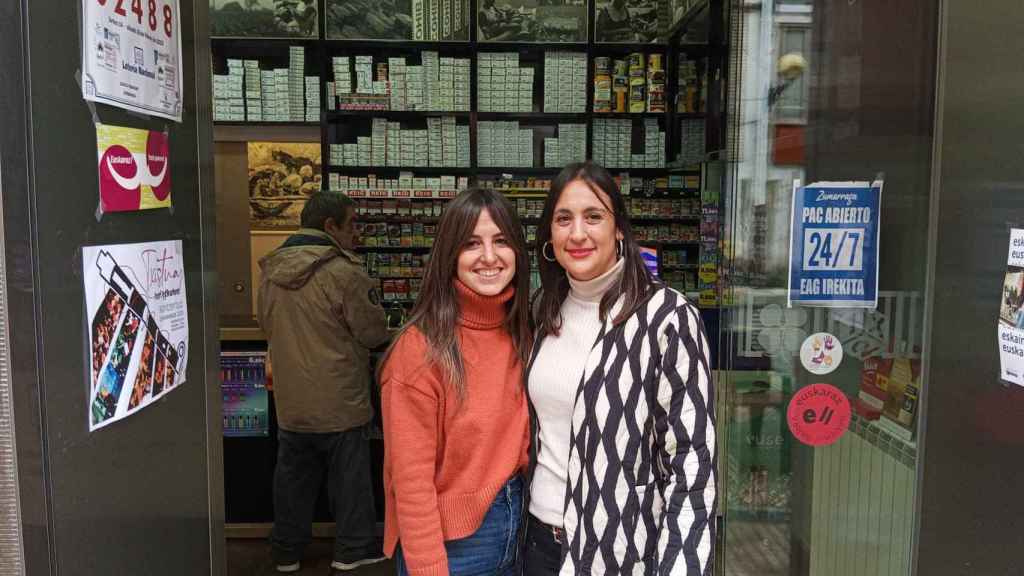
point(683, 8)
point(138, 315)
point(632, 21)
point(263, 18)
point(427, 20)
point(281, 177)
point(1011, 313)
point(532, 21)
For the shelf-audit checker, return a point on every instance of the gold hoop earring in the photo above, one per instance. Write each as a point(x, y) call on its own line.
point(544, 251)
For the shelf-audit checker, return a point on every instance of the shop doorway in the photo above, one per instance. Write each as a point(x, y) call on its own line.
point(823, 93)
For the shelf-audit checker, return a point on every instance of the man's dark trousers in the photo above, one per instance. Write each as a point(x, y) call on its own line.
point(301, 461)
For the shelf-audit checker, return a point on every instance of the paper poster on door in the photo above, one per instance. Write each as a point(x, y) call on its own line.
point(131, 55)
point(134, 168)
point(833, 258)
point(1011, 313)
point(137, 318)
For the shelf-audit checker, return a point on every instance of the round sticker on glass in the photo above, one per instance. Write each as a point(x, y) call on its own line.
point(821, 353)
point(818, 414)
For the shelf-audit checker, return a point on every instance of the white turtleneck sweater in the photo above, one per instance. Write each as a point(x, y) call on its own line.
point(554, 379)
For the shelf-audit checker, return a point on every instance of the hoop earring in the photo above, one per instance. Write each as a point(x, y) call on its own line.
point(622, 248)
point(544, 251)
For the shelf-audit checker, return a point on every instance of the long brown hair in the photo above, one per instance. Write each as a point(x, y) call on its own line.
point(636, 284)
point(436, 312)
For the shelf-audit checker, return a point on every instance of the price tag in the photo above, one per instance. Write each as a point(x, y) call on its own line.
point(132, 55)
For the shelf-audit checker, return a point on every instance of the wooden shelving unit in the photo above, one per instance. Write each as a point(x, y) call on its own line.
point(341, 126)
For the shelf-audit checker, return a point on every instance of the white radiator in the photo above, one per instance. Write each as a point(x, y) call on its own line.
point(863, 504)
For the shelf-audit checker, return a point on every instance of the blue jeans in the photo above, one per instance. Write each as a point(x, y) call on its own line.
point(491, 550)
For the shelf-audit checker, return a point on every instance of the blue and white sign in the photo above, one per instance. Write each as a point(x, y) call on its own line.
point(833, 257)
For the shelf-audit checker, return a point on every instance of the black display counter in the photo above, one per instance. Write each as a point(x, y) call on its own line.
point(249, 463)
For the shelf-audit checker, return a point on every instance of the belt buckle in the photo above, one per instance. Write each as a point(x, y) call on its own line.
point(557, 533)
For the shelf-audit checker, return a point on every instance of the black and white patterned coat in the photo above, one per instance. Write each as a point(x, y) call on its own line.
point(641, 494)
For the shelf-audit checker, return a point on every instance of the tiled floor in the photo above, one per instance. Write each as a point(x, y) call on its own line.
point(251, 557)
point(756, 549)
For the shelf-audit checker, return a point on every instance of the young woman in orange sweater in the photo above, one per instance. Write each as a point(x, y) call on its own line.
point(456, 423)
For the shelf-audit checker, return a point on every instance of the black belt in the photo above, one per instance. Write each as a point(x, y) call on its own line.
point(557, 533)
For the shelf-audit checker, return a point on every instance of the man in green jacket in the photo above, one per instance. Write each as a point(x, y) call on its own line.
point(321, 314)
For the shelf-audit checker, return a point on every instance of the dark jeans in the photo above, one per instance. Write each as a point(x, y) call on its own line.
point(302, 459)
point(542, 555)
point(491, 550)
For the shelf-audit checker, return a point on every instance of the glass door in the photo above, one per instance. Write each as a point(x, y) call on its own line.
point(828, 142)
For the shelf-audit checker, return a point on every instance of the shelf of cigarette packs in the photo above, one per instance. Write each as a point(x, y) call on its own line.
point(625, 143)
point(626, 84)
point(511, 144)
point(397, 80)
point(434, 143)
point(508, 82)
point(396, 225)
point(691, 70)
point(265, 85)
point(690, 106)
point(400, 274)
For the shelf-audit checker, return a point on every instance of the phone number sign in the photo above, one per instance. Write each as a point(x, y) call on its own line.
point(131, 55)
point(833, 258)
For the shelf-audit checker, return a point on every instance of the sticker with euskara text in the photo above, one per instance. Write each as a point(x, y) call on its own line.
point(818, 415)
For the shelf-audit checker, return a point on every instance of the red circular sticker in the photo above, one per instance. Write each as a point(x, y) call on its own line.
point(818, 414)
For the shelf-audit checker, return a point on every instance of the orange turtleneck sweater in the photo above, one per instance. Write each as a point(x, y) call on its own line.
point(444, 462)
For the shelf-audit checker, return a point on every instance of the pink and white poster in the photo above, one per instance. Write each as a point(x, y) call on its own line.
point(134, 168)
point(137, 314)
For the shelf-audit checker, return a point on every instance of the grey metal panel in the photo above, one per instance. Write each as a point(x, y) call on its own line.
point(970, 492)
point(203, 123)
point(138, 496)
point(16, 158)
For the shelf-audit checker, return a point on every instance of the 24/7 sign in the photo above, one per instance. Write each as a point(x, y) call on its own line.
point(833, 259)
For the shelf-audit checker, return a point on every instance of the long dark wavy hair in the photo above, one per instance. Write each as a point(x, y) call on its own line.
point(436, 312)
point(636, 284)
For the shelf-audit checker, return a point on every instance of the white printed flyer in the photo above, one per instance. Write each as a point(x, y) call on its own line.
point(131, 55)
point(137, 318)
point(1011, 313)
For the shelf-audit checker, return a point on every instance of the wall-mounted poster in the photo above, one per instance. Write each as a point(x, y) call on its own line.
point(281, 177)
point(422, 20)
point(137, 317)
point(834, 244)
point(539, 21)
point(1011, 313)
point(133, 168)
point(633, 21)
point(263, 18)
point(682, 8)
point(131, 57)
